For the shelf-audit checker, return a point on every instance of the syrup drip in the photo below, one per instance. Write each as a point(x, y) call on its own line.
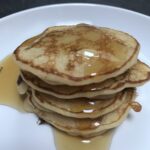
point(137, 107)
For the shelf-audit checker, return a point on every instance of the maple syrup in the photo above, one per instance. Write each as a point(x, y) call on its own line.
point(9, 96)
point(136, 106)
point(64, 141)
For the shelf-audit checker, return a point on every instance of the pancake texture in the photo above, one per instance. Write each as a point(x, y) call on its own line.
point(78, 108)
point(85, 127)
point(81, 79)
point(77, 55)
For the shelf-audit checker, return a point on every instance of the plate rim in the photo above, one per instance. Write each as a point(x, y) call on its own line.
point(29, 10)
point(39, 8)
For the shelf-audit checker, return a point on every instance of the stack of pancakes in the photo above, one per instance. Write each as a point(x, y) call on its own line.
point(81, 79)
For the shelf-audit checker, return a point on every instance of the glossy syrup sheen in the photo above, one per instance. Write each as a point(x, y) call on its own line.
point(9, 96)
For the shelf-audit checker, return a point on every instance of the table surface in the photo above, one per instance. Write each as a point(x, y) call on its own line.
point(11, 6)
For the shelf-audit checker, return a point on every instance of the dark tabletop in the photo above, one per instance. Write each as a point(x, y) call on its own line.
point(10, 6)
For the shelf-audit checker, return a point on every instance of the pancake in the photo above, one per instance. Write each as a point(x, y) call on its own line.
point(30, 85)
point(134, 77)
point(77, 55)
point(78, 108)
point(85, 127)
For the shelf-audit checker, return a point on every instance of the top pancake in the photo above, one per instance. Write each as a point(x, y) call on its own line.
point(77, 55)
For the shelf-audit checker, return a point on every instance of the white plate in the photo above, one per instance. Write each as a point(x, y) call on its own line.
point(20, 131)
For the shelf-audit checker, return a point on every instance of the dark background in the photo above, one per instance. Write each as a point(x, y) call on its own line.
point(10, 6)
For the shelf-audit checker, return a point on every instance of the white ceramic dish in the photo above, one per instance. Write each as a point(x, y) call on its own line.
point(20, 131)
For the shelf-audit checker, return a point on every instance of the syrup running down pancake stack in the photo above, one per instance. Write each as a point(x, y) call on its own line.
point(81, 79)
